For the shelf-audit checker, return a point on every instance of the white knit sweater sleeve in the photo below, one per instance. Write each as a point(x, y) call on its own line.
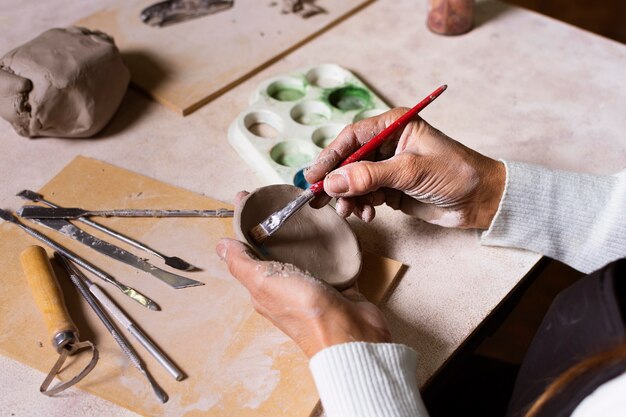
point(579, 219)
point(361, 379)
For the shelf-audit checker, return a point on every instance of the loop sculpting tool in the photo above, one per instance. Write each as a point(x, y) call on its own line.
point(128, 291)
point(269, 226)
point(81, 283)
point(173, 261)
point(62, 330)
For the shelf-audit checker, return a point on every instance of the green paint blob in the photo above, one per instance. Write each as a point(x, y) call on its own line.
point(293, 153)
point(288, 94)
point(289, 89)
point(293, 159)
point(312, 119)
point(350, 98)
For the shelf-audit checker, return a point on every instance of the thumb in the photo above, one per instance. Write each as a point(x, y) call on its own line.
point(399, 172)
point(242, 264)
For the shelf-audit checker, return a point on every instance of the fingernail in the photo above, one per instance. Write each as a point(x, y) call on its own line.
point(221, 250)
point(336, 183)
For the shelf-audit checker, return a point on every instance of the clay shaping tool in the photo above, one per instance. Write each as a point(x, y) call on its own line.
point(49, 299)
point(117, 336)
point(270, 225)
point(173, 261)
point(115, 252)
point(128, 291)
point(38, 212)
point(76, 275)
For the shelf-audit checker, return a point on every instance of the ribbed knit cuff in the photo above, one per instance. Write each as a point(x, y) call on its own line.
point(576, 218)
point(368, 379)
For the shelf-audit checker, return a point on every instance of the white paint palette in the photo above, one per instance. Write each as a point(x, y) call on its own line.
point(292, 117)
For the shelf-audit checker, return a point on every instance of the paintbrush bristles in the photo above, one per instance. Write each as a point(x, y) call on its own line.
point(258, 235)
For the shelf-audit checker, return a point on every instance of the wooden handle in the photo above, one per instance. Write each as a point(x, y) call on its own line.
point(46, 291)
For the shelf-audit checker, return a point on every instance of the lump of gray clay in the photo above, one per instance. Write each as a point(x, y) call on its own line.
point(64, 83)
point(317, 241)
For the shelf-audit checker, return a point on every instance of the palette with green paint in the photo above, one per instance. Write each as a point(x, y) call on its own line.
point(292, 117)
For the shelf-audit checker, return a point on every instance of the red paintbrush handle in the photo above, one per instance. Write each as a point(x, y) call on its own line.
point(384, 135)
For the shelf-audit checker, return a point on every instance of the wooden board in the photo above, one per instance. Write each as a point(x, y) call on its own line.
point(237, 363)
point(186, 65)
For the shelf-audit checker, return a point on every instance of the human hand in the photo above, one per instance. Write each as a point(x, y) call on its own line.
point(309, 311)
point(420, 171)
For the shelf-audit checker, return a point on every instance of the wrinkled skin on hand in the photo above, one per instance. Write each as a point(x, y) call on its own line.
point(309, 311)
point(420, 171)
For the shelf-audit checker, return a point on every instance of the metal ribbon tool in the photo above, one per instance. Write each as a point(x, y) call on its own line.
point(173, 261)
point(115, 252)
point(49, 298)
point(84, 286)
point(128, 291)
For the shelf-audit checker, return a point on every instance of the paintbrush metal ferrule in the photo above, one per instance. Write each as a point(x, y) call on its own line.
point(278, 218)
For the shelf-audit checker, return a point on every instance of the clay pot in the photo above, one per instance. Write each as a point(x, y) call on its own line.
point(317, 241)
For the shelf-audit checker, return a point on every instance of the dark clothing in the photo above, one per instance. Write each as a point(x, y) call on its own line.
point(585, 319)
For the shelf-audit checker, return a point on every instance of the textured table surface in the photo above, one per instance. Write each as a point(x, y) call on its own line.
point(521, 86)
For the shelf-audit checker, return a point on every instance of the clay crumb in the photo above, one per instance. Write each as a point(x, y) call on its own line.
point(278, 268)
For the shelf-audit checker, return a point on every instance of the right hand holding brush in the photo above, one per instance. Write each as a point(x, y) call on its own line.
point(422, 172)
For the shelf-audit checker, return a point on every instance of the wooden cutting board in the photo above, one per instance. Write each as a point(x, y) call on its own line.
point(237, 363)
point(186, 65)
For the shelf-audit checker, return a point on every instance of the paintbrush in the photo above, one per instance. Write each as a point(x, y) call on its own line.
point(270, 225)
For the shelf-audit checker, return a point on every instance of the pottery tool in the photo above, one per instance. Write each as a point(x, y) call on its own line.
point(173, 261)
point(168, 12)
point(49, 299)
point(38, 212)
point(291, 117)
point(237, 362)
point(117, 253)
point(128, 291)
point(79, 282)
point(269, 226)
point(76, 275)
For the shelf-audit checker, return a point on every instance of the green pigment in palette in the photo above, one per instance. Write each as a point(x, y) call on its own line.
point(292, 117)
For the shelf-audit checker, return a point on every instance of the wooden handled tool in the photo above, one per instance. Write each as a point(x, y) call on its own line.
point(62, 330)
point(46, 292)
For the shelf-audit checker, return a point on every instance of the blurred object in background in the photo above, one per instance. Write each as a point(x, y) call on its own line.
point(450, 17)
point(604, 17)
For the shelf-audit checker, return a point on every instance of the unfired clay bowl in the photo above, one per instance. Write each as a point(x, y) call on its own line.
point(317, 241)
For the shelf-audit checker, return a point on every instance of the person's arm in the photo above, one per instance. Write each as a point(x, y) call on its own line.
point(576, 218)
point(579, 219)
point(368, 379)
